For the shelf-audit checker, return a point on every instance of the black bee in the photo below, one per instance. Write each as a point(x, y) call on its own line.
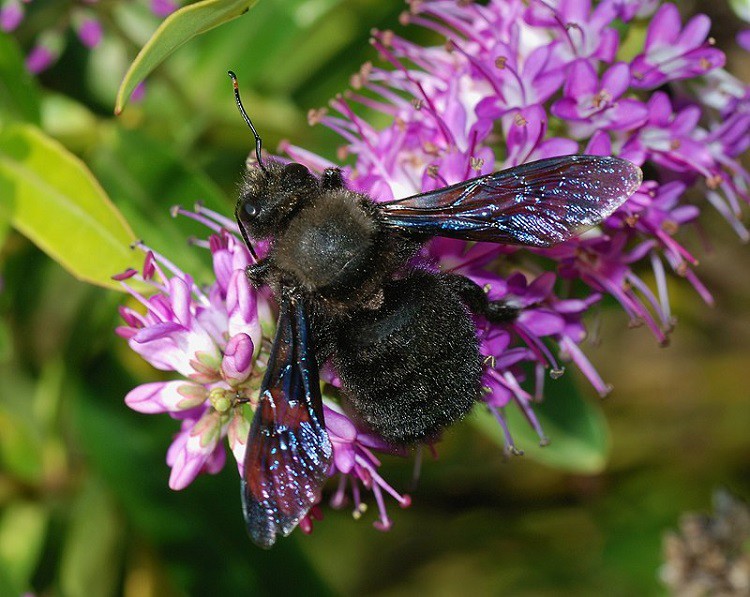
point(400, 338)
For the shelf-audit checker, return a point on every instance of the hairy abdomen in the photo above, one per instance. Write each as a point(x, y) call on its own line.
point(413, 366)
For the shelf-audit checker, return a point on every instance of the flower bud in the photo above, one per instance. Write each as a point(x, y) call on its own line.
point(238, 359)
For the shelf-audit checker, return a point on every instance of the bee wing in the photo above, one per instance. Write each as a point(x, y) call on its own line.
point(288, 450)
point(538, 204)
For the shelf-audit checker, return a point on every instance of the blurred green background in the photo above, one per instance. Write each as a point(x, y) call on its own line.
point(84, 503)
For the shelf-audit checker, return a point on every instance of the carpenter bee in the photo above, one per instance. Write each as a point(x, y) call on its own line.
point(400, 338)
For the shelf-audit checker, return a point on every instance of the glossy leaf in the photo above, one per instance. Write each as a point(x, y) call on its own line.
point(575, 426)
point(178, 28)
point(59, 205)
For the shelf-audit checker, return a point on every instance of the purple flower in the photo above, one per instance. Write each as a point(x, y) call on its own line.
point(627, 10)
point(514, 81)
point(672, 52)
point(238, 359)
point(163, 8)
point(11, 15)
point(197, 449)
point(86, 21)
point(579, 31)
point(496, 75)
point(212, 338)
point(743, 39)
point(590, 104)
point(667, 137)
point(40, 59)
point(207, 336)
point(355, 462)
point(90, 32)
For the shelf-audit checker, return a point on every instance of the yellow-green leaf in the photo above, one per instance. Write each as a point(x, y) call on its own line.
point(178, 28)
point(58, 204)
point(23, 528)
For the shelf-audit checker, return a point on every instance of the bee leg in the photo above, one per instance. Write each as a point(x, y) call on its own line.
point(332, 179)
point(258, 272)
point(475, 298)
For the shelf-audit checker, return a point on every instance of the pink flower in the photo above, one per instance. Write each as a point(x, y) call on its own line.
point(90, 32)
point(514, 81)
point(40, 59)
point(207, 336)
point(11, 15)
point(672, 52)
point(163, 8)
point(212, 338)
point(484, 100)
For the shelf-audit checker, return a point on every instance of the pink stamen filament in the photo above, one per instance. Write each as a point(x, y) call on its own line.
point(509, 445)
point(428, 101)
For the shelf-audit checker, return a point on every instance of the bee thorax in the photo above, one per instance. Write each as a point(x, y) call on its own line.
point(329, 246)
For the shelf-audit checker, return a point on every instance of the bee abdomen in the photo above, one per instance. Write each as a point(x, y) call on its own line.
point(412, 367)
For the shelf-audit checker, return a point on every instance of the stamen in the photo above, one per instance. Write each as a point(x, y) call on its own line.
point(380, 482)
point(538, 347)
point(208, 223)
point(444, 129)
point(385, 523)
point(223, 221)
point(575, 353)
point(509, 446)
point(661, 286)
point(522, 399)
point(338, 499)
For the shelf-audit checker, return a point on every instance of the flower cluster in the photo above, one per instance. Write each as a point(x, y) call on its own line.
point(81, 16)
point(515, 81)
point(213, 339)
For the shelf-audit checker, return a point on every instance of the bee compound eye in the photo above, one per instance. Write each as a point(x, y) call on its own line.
point(250, 209)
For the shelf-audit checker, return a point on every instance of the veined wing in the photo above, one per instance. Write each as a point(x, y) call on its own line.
point(288, 450)
point(538, 204)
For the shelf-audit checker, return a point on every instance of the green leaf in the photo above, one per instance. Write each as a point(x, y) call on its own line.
point(741, 8)
point(5, 216)
point(207, 514)
point(6, 342)
point(20, 447)
point(19, 96)
point(577, 429)
point(59, 205)
point(177, 29)
point(633, 36)
point(150, 187)
point(23, 528)
point(21, 435)
point(93, 545)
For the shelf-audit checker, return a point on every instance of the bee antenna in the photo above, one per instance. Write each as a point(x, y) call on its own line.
point(249, 122)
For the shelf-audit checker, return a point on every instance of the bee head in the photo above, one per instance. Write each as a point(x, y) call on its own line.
point(269, 197)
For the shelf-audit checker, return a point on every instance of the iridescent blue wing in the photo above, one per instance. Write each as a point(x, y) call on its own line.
point(288, 450)
point(538, 204)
